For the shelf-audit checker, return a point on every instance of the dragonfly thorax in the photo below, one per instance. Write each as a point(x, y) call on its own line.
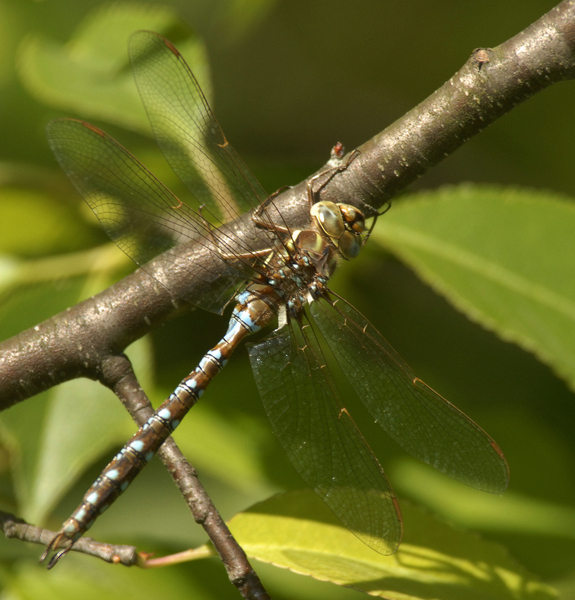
point(309, 257)
point(299, 271)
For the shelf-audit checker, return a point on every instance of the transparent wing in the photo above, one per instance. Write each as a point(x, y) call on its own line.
point(139, 213)
point(321, 440)
point(417, 418)
point(142, 216)
point(187, 130)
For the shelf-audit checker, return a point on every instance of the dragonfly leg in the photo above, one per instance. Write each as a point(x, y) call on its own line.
point(266, 223)
point(329, 174)
point(53, 545)
point(245, 255)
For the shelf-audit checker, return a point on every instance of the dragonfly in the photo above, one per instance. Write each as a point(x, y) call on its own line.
point(285, 279)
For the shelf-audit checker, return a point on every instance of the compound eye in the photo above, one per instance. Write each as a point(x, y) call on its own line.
point(329, 217)
point(353, 218)
point(349, 245)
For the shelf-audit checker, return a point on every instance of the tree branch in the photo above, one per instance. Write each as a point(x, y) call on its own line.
point(488, 86)
point(12, 527)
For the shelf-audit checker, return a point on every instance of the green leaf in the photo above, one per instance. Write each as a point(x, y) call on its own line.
point(298, 532)
point(79, 421)
point(93, 580)
point(28, 293)
point(241, 16)
point(540, 533)
point(82, 423)
point(503, 256)
point(91, 75)
point(38, 224)
point(513, 512)
point(54, 438)
point(213, 443)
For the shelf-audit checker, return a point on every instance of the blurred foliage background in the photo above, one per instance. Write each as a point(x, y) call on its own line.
point(289, 79)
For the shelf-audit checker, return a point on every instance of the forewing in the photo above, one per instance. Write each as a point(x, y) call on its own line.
point(139, 213)
point(187, 131)
point(320, 438)
point(415, 416)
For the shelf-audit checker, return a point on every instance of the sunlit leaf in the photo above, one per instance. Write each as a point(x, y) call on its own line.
point(504, 256)
point(296, 531)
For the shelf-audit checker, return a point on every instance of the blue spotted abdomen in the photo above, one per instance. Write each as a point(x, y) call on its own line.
point(250, 314)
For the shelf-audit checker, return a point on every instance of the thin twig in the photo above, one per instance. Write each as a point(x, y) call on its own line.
point(123, 381)
point(13, 527)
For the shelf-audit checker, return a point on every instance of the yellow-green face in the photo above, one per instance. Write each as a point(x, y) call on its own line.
point(343, 224)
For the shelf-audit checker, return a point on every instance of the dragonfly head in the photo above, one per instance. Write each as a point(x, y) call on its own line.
point(341, 224)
